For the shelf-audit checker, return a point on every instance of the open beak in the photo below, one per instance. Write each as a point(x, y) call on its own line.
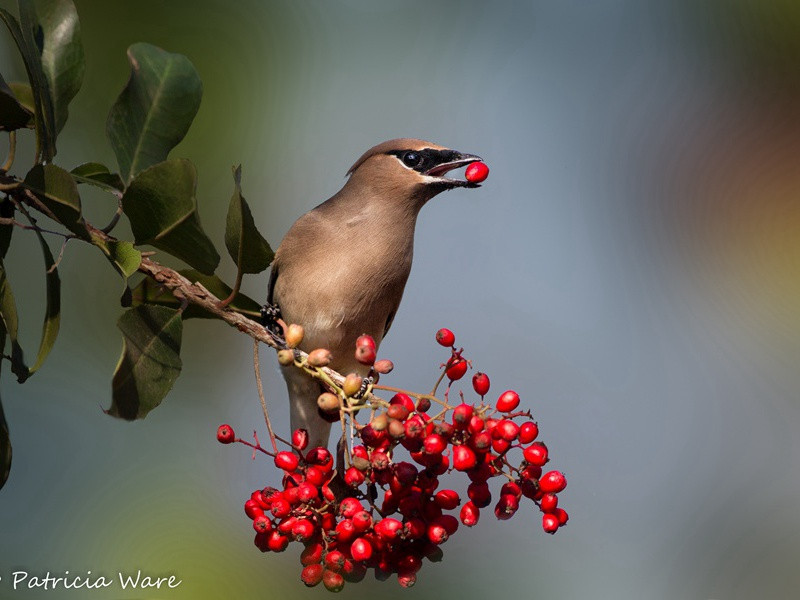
point(453, 160)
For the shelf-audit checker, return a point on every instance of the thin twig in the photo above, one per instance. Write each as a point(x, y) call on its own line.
point(257, 368)
point(115, 219)
point(235, 290)
point(12, 150)
point(11, 221)
point(60, 256)
point(438, 381)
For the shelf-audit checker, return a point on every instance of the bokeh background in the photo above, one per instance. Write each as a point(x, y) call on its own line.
point(631, 267)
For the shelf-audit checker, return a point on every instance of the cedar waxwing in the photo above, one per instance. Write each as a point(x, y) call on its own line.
point(341, 269)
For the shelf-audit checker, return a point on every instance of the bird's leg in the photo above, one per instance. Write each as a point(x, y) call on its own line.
point(270, 315)
point(365, 383)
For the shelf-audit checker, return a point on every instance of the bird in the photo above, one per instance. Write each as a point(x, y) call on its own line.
point(341, 269)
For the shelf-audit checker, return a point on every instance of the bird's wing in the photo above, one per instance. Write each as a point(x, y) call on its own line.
point(389, 320)
point(273, 277)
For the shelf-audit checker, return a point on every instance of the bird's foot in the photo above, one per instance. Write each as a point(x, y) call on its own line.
point(270, 315)
point(365, 384)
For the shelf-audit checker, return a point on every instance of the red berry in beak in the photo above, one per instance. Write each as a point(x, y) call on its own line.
point(476, 172)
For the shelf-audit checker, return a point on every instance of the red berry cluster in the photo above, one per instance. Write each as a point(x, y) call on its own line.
point(378, 512)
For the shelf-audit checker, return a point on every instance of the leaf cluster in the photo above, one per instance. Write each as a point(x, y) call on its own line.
point(155, 193)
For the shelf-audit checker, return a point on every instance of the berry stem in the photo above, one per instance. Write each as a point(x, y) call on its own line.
point(260, 386)
point(438, 381)
point(255, 446)
point(387, 388)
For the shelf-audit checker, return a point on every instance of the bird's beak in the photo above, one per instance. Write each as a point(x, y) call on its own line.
point(452, 160)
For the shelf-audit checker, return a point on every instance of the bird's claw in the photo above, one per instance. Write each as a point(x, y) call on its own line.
point(270, 313)
point(365, 384)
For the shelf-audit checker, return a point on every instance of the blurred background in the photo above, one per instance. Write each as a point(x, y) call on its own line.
point(631, 267)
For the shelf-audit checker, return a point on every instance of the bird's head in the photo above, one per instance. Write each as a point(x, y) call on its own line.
point(412, 168)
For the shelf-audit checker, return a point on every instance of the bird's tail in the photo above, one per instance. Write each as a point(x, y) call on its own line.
point(303, 394)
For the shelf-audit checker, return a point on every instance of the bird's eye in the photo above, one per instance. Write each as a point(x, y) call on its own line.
point(412, 159)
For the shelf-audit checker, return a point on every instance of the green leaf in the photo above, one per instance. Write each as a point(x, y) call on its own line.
point(5, 439)
point(24, 95)
point(58, 191)
point(160, 203)
point(52, 315)
point(247, 247)
point(62, 54)
point(13, 114)
point(149, 292)
point(122, 255)
point(8, 314)
point(154, 111)
point(7, 212)
point(26, 33)
point(97, 174)
point(150, 361)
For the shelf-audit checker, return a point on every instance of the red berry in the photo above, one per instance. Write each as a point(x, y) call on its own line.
point(252, 509)
point(462, 415)
point(500, 445)
point(362, 521)
point(311, 575)
point(349, 507)
point(511, 487)
point(312, 554)
point(482, 441)
point(476, 172)
point(307, 492)
point(508, 401)
point(303, 530)
point(366, 354)
point(280, 508)
point(470, 514)
point(406, 579)
point(366, 341)
point(437, 534)
point(476, 424)
point(225, 434)
point(414, 529)
point(449, 522)
point(383, 366)
point(548, 502)
point(528, 432)
point(315, 476)
point(277, 542)
point(447, 499)
point(321, 457)
point(261, 524)
point(549, 523)
point(506, 507)
point(434, 444)
point(404, 400)
point(353, 477)
point(456, 368)
point(536, 454)
point(332, 581)
point(445, 337)
point(480, 383)
point(300, 439)
point(479, 494)
point(464, 458)
point(361, 549)
point(287, 461)
point(345, 531)
point(334, 560)
point(562, 516)
point(506, 429)
point(388, 529)
point(552, 481)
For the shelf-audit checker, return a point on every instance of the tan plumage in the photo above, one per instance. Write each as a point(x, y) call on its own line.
point(341, 269)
